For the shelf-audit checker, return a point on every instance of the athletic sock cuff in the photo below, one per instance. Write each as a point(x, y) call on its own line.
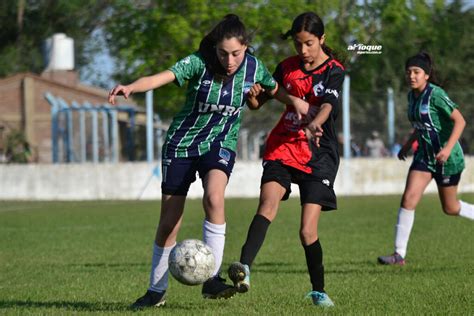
point(262, 219)
point(162, 250)
point(214, 228)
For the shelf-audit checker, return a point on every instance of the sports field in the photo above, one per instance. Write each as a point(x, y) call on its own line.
point(94, 258)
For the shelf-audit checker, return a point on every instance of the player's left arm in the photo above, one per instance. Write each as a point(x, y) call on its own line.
point(459, 124)
point(314, 129)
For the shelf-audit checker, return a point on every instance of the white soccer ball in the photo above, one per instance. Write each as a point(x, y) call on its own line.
point(191, 262)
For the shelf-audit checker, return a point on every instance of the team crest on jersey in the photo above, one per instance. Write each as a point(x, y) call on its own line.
point(424, 109)
point(318, 89)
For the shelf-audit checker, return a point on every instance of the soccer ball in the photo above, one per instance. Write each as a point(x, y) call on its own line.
point(191, 262)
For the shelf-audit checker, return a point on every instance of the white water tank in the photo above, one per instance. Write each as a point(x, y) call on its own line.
point(59, 52)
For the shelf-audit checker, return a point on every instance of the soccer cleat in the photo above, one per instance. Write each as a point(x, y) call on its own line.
point(320, 299)
point(216, 288)
point(240, 274)
point(395, 258)
point(150, 299)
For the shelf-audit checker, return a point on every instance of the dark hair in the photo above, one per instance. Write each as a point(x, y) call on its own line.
point(229, 27)
point(425, 62)
point(311, 23)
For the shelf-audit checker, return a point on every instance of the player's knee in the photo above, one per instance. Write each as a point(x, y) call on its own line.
point(308, 235)
point(451, 210)
point(268, 209)
point(213, 201)
point(409, 200)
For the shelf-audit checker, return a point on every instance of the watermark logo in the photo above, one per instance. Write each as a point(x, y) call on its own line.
point(365, 49)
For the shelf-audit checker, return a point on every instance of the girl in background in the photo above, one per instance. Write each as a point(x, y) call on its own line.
point(438, 124)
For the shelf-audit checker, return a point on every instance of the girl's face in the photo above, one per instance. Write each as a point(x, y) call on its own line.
point(417, 78)
point(231, 53)
point(309, 47)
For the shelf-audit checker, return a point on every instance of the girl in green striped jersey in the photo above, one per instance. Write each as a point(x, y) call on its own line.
point(438, 125)
point(202, 139)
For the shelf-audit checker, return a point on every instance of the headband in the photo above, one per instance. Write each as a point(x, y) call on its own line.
point(419, 61)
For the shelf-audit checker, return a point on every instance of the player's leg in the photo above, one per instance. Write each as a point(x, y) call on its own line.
point(271, 194)
point(239, 272)
point(215, 169)
point(178, 174)
point(214, 225)
point(448, 190)
point(416, 183)
point(315, 197)
point(275, 186)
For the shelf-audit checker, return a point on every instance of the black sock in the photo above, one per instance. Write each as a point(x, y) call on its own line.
point(314, 261)
point(255, 237)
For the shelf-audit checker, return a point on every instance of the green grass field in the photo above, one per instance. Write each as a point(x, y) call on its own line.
point(94, 258)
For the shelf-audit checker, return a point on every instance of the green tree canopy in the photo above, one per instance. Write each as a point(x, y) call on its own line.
point(25, 24)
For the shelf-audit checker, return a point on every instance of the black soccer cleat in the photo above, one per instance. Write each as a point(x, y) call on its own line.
point(150, 299)
point(216, 288)
point(240, 274)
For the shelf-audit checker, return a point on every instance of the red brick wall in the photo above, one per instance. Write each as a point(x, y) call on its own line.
point(12, 107)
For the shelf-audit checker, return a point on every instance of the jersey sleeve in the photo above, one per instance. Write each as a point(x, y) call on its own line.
point(264, 77)
point(278, 74)
point(442, 102)
point(334, 87)
point(187, 68)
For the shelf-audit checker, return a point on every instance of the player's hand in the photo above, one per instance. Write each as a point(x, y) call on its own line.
point(402, 153)
point(255, 91)
point(119, 90)
point(443, 155)
point(252, 94)
point(314, 132)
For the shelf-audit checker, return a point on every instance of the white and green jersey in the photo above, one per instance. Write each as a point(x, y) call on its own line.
point(430, 114)
point(213, 109)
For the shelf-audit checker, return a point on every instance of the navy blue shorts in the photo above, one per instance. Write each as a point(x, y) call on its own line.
point(179, 173)
point(312, 189)
point(441, 180)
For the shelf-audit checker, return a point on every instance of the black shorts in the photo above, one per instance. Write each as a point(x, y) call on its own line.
point(312, 189)
point(179, 173)
point(441, 180)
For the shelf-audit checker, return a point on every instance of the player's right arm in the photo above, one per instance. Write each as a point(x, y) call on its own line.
point(141, 85)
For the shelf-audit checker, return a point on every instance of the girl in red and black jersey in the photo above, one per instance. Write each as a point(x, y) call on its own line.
point(299, 151)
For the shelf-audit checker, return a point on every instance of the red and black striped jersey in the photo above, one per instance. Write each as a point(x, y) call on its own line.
point(287, 141)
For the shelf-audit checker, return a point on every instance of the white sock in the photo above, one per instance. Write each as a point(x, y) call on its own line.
point(467, 210)
point(159, 268)
point(214, 236)
point(403, 230)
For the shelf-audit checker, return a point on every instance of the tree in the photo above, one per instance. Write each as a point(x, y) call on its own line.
point(25, 24)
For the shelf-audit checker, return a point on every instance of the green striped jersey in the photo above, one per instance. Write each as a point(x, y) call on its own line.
point(213, 108)
point(430, 114)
